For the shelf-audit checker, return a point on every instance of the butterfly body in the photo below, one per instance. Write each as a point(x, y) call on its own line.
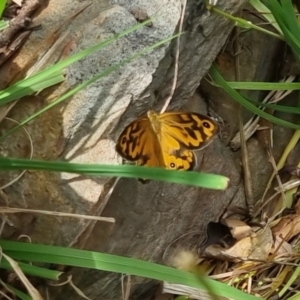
point(166, 140)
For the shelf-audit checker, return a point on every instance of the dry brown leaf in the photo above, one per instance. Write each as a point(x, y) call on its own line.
point(284, 247)
point(238, 228)
point(242, 249)
point(258, 246)
point(264, 244)
point(214, 251)
point(288, 227)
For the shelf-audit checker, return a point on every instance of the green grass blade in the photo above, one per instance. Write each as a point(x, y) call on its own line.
point(264, 86)
point(289, 16)
point(9, 95)
point(29, 86)
point(32, 270)
point(210, 181)
point(284, 14)
point(219, 80)
point(261, 8)
point(2, 7)
point(85, 84)
point(282, 108)
point(18, 293)
point(244, 23)
point(3, 24)
point(114, 263)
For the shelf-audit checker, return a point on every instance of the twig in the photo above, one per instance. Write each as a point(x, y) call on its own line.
point(80, 240)
point(169, 98)
point(275, 170)
point(244, 150)
point(126, 287)
point(13, 210)
point(18, 42)
point(21, 21)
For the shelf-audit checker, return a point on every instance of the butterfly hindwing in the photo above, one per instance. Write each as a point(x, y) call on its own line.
point(180, 160)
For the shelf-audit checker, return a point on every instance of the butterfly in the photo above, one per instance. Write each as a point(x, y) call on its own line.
point(166, 140)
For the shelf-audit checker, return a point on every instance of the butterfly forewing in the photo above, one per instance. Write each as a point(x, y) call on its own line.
point(139, 143)
point(187, 130)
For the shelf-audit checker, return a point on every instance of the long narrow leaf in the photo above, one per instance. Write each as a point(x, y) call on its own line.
point(261, 8)
point(264, 86)
point(113, 263)
point(284, 13)
point(85, 84)
point(2, 7)
point(216, 76)
point(32, 270)
point(211, 181)
point(282, 108)
point(11, 93)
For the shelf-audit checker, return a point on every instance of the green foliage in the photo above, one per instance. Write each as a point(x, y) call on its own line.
point(2, 7)
point(211, 181)
point(219, 80)
point(113, 263)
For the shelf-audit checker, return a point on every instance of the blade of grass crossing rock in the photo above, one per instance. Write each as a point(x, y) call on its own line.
point(13, 92)
point(85, 84)
point(210, 181)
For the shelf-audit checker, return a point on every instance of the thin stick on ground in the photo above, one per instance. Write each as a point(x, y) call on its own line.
point(12, 210)
point(169, 98)
point(244, 150)
point(126, 287)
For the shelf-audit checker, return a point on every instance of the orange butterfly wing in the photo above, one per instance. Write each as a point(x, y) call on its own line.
point(179, 133)
point(138, 143)
point(167, 140)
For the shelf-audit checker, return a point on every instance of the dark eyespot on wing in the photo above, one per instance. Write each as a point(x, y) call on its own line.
point(206, 124)
point(181, 160)
point(172, 165)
